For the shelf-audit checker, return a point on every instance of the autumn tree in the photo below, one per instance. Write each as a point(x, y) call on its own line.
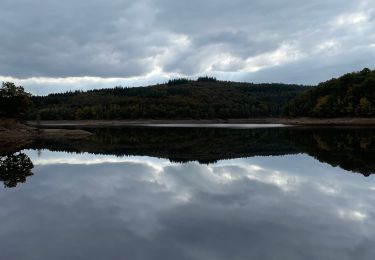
point(350, 95)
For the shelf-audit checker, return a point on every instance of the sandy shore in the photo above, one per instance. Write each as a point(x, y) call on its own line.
point(284, 121)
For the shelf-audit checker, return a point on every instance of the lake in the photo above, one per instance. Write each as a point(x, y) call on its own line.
point(192, 193)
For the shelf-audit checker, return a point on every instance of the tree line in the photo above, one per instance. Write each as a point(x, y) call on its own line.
point(205, 98)
point(351, 95)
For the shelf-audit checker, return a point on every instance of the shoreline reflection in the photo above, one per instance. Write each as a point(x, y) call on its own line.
point(352, 149)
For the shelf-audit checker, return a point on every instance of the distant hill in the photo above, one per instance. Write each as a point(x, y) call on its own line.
point(352, 95)
point(205, 98)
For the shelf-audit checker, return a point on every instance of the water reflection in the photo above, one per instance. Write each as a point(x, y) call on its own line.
point(14, 169)
point(146, 208)
point(352, 149)
point(157, 193)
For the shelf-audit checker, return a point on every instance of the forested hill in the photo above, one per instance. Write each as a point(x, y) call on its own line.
point(205, 98)
point(352, 95)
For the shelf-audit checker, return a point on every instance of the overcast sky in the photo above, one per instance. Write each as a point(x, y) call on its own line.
point(54, 45)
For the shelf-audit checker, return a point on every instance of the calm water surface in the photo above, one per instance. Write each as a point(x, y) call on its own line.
point(177, 193)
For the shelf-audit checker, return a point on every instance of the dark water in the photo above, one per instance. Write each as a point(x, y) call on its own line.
point(192, 193)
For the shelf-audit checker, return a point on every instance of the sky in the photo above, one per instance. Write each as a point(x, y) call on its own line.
point(53, 46)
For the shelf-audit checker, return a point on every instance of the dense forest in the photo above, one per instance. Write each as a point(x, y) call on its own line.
point(348, 96)
point(352, 95)
point(205, 98)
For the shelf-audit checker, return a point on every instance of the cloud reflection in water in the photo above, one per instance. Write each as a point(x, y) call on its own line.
point(80, 206)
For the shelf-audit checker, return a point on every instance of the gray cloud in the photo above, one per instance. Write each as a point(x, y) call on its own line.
point(133, 41)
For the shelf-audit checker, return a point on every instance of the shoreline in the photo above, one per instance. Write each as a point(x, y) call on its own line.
point(15, 135)
point(260, 121)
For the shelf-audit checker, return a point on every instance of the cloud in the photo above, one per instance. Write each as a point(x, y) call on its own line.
point(124, 42)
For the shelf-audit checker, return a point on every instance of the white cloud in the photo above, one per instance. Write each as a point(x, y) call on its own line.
point(286, 53)
point(353, 215)
point(328, 46)
point(351, 19)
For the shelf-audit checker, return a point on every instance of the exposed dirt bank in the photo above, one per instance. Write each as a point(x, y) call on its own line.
point(286, 121)
point(15, 135)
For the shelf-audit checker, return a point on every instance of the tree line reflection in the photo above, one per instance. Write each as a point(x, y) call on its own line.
point(349, 149)
point(352, 149)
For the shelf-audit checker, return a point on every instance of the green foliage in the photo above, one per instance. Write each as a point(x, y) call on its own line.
point(178, 99)
point(14, 101)
point(350, 95)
